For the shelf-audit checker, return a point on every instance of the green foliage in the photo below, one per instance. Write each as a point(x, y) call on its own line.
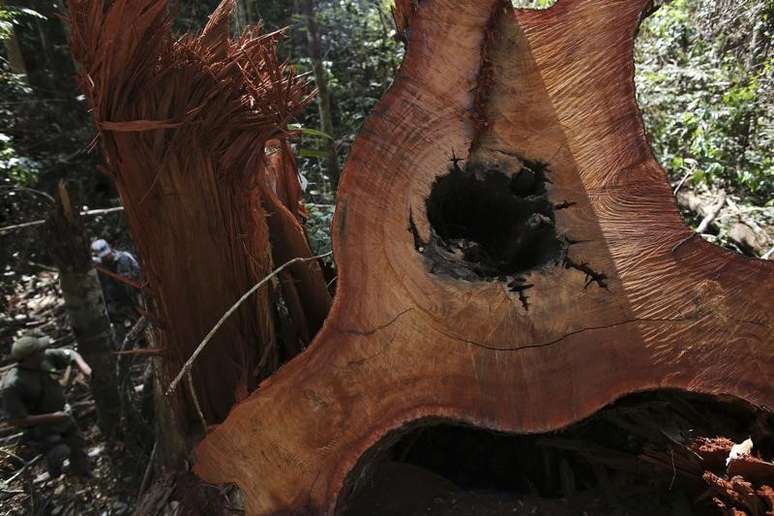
point(318, 227)
point(10, 16)
point(15, 170)
point(704, 105)
point(533, 4)
point(361, 57)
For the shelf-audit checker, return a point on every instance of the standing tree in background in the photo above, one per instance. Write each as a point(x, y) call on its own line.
point(323, 94)
point(69, 247)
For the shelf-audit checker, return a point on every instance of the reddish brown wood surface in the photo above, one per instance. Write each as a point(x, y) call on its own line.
point(183, 122)
point(403, 344)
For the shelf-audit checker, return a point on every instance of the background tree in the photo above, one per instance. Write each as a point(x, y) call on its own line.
point(323, 94)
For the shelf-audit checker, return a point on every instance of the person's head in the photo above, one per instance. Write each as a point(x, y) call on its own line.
point(30, 349)
point(102, 251)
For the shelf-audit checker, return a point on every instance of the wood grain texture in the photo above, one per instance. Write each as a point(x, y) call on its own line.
point(403, 345)
point(183, 124)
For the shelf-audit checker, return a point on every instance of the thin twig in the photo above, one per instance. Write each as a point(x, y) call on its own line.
point(101, 211)
point(12, 455)
point(768, 254)
point(8, 229)
point(713, 213)
point(146, 476)
point(682, 181)
point(23, 468)
point(674, 469)
point(30, 190)
point(679, 244)
point(141, 352)
point(12, 491)
point(196, 401)
point(135, 332)
point(189, 363)
point(11, 437)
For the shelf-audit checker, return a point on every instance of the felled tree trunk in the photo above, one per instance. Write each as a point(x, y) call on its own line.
point(183, 124)
point(509, 254)
point(69, 246)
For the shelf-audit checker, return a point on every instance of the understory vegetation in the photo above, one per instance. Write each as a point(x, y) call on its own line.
point(705, 82)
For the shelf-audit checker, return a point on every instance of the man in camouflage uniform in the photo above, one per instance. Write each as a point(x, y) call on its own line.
point(34, 399)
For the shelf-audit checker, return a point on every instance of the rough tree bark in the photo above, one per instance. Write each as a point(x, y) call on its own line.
point(323, 94)
point(183, 124)
point(510, 256)
point(71, 251)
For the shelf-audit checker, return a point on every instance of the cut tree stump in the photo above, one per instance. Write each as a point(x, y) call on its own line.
point(510, 256)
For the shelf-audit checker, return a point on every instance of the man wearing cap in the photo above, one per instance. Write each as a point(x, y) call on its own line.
point(121, 299)
point(34, 399)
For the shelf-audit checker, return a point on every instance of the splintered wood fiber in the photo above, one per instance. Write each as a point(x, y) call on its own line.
point(183, 123)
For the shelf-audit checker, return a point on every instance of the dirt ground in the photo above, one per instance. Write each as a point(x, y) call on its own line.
point(37, 304)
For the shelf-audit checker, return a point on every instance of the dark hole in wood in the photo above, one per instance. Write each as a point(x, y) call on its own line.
point(596, 466)
point(489, 222)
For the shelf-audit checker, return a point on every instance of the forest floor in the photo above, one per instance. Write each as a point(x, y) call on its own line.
point(37, 304)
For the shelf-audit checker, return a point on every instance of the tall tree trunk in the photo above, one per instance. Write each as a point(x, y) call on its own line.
point(251, 11)
point(85, 306)
point(183, 125)
point(323, 94)
point(15, 56)
point(510, 256)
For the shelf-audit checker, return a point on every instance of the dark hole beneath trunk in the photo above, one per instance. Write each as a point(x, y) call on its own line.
point(629, 458)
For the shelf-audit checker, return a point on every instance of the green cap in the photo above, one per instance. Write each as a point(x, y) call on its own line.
point(24, 347)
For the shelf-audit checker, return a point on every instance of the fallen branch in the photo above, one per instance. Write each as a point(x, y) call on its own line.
point(202, 419)
point(148, 470)
point(682, 181)
point(22, 470)
point(29, 190)
point(141, 352)
point(135, 332)
point(707, 220)
point(11, 455)
point(11, 437)
point(189, 363)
